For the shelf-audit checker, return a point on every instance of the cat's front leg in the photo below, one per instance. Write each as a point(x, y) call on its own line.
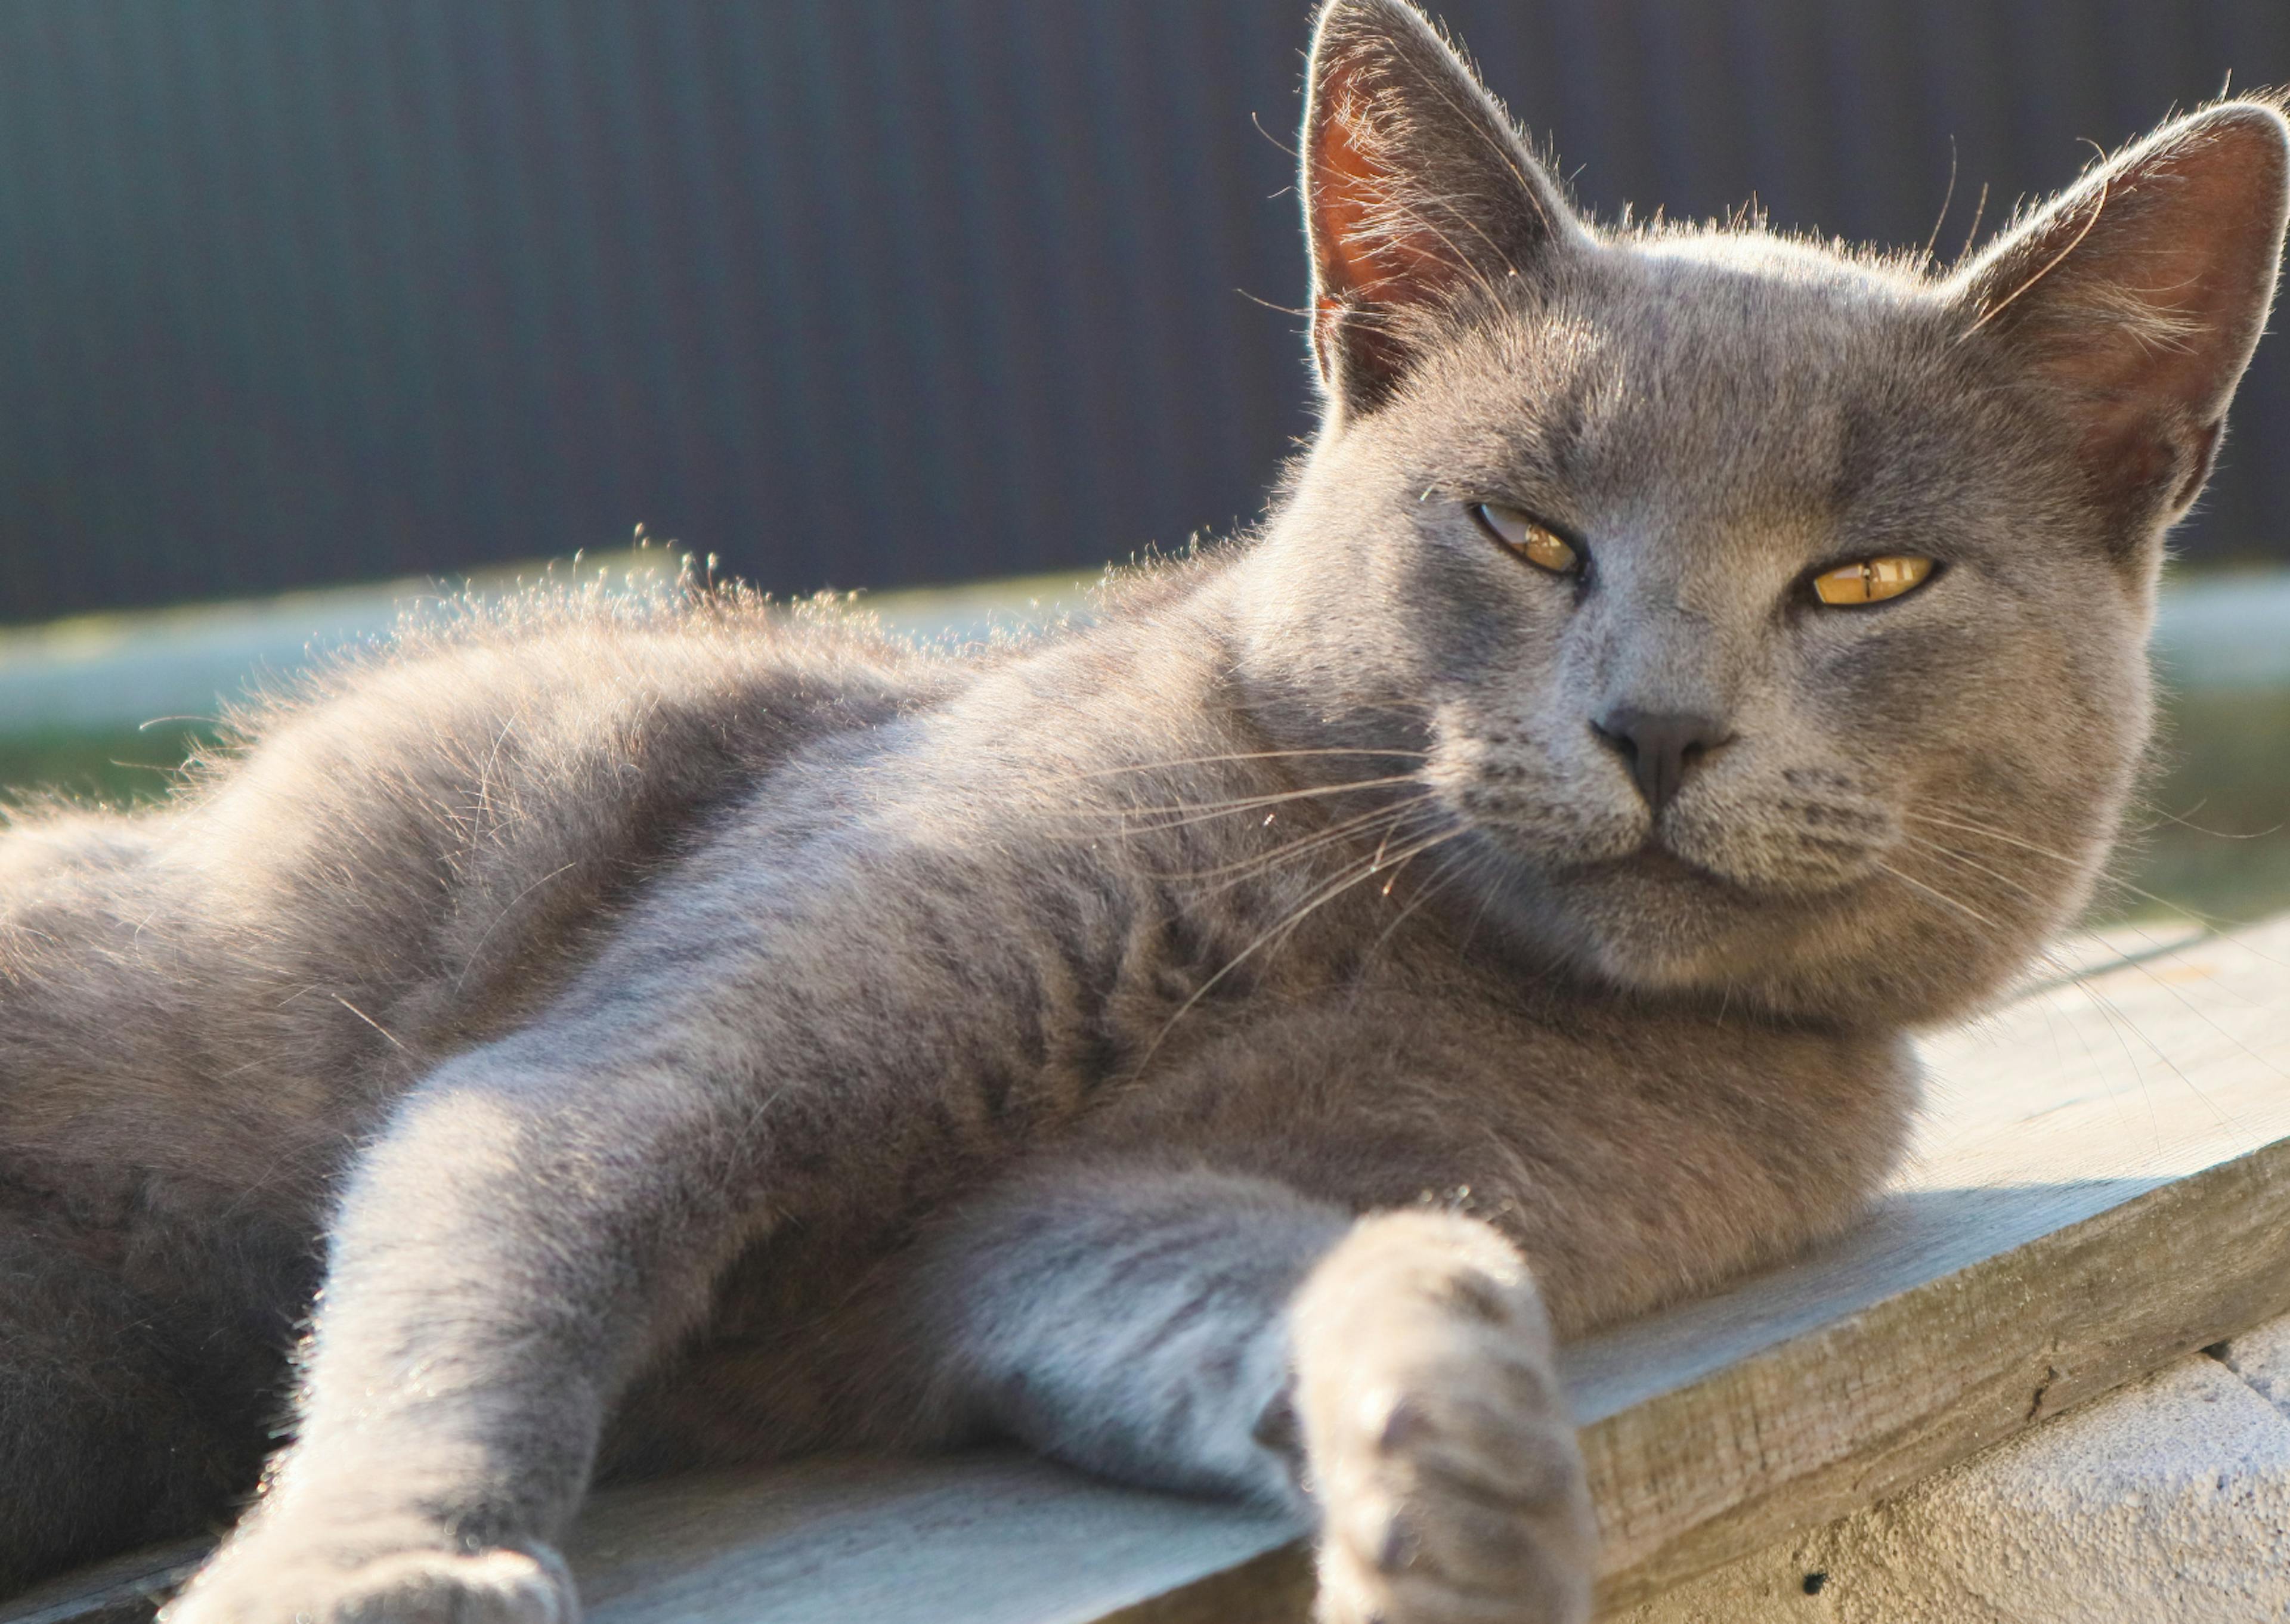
point(1392, 1377)
point(1437, 1439)
point(515, 1245)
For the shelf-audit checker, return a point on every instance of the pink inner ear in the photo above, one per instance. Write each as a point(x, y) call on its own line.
point(1371, 245)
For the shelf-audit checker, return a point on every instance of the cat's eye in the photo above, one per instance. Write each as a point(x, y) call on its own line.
point(1871, 580)
point(1533, 540)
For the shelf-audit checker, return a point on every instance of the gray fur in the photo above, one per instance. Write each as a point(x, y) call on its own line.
point(696, 1036)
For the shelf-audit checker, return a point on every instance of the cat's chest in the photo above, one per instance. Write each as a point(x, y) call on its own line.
point(1636, 1157)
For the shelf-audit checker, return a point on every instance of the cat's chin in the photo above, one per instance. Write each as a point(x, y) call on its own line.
point(1653, 925)
point(1650, 922)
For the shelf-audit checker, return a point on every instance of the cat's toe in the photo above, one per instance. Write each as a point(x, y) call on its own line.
point(1356, 1590)
point(1446, 1526)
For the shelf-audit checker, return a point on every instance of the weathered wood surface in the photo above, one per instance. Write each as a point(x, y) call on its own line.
point(1002, 1539)
point(2102, 1182)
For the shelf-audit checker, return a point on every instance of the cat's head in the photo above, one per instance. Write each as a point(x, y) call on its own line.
point(1772, 617)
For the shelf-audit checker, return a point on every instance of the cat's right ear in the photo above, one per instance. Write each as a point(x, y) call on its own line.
point(1417, 193)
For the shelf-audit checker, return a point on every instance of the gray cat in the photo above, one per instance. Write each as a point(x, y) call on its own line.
point(1221, 1046)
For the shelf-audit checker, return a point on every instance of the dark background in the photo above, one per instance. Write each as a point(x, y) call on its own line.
point(853, 291)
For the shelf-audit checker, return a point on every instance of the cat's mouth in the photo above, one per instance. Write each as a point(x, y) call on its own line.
point(1754, 871)
point(1588, 856)
point(1658, 866)
point(1655, 860)
point(1645, 917)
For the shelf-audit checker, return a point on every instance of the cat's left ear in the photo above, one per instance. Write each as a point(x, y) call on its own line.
point(2139, 294)
point(1417, 193)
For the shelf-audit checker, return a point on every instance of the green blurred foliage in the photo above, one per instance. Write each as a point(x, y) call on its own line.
point(118, 767)
point(2211, 835)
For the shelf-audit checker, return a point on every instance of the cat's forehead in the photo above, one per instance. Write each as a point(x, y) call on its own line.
point(1728, 320)
point(1748, 370)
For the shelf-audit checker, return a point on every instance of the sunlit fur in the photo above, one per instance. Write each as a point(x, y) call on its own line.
point(1219, 1044)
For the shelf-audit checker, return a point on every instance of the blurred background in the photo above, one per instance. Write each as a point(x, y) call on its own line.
point(884, 293)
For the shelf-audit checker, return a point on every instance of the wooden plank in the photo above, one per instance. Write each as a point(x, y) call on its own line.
point(1000, 1538)
point(991, 1537)
point(2102, 1182)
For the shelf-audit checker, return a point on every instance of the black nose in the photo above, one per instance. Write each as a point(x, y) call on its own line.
point(1660, 746)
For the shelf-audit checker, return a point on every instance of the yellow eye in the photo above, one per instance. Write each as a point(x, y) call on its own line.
point(1538, 544)
point(1871, 580)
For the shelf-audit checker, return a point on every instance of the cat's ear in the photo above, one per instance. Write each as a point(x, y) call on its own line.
point(1416, 191)
point(2139, 294)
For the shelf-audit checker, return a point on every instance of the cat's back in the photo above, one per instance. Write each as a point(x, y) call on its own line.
point(496, 782)
point(402, 855)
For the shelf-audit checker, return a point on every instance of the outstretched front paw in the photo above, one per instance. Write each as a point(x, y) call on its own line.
point(249, 1585)
point(1436, 1438)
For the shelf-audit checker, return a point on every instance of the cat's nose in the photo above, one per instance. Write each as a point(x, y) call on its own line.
point(1660, 746)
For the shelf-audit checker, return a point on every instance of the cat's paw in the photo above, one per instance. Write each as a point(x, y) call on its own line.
point(1436, 1440)
point(247, 1586)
